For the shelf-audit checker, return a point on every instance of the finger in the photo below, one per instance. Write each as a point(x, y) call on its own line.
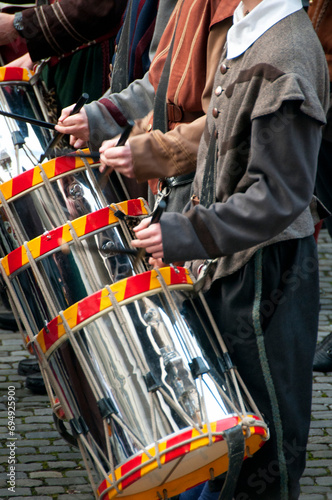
point(143, 224)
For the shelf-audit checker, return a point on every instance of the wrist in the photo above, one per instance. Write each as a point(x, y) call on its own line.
point(18, 23)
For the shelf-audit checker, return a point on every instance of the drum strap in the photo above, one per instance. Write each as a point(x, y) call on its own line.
point(236, 448)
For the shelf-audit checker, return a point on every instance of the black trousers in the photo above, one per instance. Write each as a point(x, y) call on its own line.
point(267, 313)
point(324, 179)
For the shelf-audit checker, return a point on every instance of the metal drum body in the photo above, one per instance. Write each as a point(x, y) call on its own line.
point(64, 265)
point(21, 144)
point(137, 369)
point(49, 195)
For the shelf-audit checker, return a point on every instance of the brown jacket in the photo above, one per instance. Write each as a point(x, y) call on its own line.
point(63, 26)
point(199, 40)
point(320, 13)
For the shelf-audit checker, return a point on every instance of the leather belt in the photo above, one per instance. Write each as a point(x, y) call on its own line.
point(180, 180)
point(176, 114)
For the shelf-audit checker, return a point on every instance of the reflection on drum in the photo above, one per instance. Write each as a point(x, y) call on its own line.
point(49, 195)
point(137, 369)
point(21, 144)
point(64, 265)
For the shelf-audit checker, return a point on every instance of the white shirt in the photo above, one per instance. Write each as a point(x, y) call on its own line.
point(247, 29)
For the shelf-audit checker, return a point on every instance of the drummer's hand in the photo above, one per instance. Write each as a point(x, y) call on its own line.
point(77, 126)
point(156, 263)
point(7, 31)
point(149, 237)
point(24, 61)
point(116, 158)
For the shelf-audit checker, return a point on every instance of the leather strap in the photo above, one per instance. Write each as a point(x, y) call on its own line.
point(120, 76)
point(176, 114)
point(236, 448)
point(208, 193)
point(180, 180)
point(160, 117)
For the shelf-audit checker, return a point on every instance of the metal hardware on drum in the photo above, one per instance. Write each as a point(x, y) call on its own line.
point(21, 94)
point(58, 136)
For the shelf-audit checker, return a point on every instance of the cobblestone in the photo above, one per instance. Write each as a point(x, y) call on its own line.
point(49, 469)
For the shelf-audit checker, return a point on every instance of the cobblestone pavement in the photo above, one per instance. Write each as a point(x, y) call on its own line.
point(48, 468)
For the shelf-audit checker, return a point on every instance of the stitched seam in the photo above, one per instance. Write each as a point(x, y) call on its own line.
point(267, 374)
point(46, 31)
point(69, 27)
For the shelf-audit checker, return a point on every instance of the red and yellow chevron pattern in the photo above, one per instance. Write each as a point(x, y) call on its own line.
point(15, 74)
point(83, 226)
point(90, 307)
point(32, 178)
point(180, 445)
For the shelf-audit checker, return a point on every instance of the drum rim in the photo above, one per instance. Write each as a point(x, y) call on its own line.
point(17, 260)
point(216, 429)
point(54, 169)
point(7, 73)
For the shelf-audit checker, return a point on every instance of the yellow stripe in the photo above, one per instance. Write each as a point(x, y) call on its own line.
point(49, 169)
point(7, 189)
point(79, 225)
point(105, 301)
point(70, 315)
point(4, 263)
point(34, 247)
point(41, 342)
point(36, 178)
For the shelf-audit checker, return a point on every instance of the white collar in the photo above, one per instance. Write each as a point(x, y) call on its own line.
point(247, 29)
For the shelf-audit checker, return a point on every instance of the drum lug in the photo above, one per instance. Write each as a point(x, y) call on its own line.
point(78, 426)
point(198, 367)
point(151, 383)
point(225, 362)
point(106, 407)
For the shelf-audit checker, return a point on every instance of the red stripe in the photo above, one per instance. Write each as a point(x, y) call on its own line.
point(88, 307)
point(14, 74)
point(64, 164)
point(93, 223)
point(51, 336)
point(178, 277)
point(22, 182)
point(134, 208)
point(127, 467)
point(180, 450)
point(51, 240)
point(14, 260)
point(138, 284)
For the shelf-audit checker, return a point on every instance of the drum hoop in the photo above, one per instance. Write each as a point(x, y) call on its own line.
point(178, 448)
point(18, 259)
point(99, 303)
point(32, 179)
point(15, 75)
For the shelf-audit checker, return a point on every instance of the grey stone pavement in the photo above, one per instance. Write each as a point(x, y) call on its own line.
point(48, 468)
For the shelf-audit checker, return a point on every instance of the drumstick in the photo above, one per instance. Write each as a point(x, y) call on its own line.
point(25, 119)
point(58, 136)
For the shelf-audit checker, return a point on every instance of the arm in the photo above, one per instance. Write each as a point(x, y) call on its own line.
point(283, 176)
point(58, 28)
point(107, 117)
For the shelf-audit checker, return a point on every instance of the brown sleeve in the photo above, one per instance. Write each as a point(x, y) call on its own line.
point(158, 155)
point(63, 26)
point(165, 155)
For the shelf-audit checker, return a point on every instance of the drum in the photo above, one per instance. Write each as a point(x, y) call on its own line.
point(64, 265)
point(147, 386)
point(21, 144)
point(49, 195)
